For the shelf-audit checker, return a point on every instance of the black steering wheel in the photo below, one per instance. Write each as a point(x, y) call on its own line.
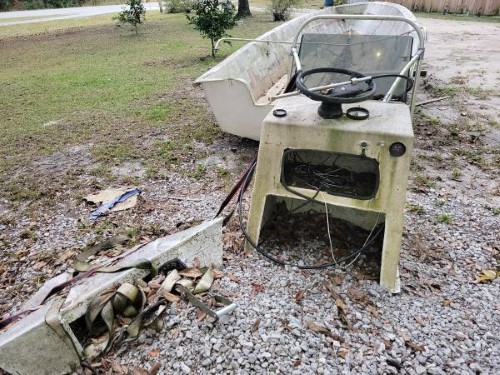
point(331, 102)
point(343, 94)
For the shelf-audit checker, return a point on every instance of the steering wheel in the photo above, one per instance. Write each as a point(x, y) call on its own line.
point(331, 102)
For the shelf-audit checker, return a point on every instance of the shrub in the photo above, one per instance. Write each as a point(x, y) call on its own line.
point(134, 15)
point(281, 9)
point(212, 18)
point(179, 6)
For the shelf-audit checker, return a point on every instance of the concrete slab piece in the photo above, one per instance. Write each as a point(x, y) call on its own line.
point(43, 342)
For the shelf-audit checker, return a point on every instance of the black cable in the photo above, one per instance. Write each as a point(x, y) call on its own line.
point(265, 254)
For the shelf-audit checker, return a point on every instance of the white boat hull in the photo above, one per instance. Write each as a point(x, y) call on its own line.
point(236, 88)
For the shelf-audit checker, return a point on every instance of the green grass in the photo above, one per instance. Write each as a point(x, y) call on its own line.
point(445, 218)
point(90, 83)
point(415, 208)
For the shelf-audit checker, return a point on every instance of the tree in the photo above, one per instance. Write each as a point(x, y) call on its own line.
point(212, 18)
point(134, 15)
point(243, 9)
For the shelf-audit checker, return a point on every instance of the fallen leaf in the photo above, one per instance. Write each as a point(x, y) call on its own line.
point(217, 274)
point(139, 371)
point(154, 285)
point(486, 276)
point(258, 288)
point(155, 367)
point(174, 333)
point(336, 280)
point(357, 295)
point(154, 353)
point(446, 302)
point(343, 352)
point(373, 310)
point(316, 327)
point(414, 347)
point(255, 325)
point(419, 320)
point(233, 278)
point(342, 310)
point(39, 265)
point(114, 367)
point(331, 288)
point(68, 254)
point(299, 295)
point(170, 297)
point(192, 272)
point(200, 315)
point(297, 363)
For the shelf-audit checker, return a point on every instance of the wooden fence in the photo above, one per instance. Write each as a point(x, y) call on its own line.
point(484, 7)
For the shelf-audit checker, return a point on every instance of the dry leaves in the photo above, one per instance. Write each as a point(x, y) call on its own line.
point(191, 272)
point(200, 315)
point(39, 265)
point(114, 367)
point(140, 371)
point(414, 347)
point(373, 310)
point(419, 320)
point(357, 295)
point(154, 353)
point(170, 297)
point(257, 288)
point(233, 278)
point(316, 327)
point(487, 276)
point(342, 310)
point(155, 368)
point(299, 295)
point(217, 274)
point(343, 352)
point(255, 325)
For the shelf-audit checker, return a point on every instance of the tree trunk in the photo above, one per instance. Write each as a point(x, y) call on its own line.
point(243, 9)
point(213, 48)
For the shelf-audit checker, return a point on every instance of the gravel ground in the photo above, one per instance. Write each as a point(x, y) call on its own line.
point(342, 321)
point(440, 323)
point(335, 321)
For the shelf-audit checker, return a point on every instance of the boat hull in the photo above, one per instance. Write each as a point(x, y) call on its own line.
point(237, 89)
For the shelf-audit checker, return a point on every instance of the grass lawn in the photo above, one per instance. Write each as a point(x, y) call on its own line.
point(88, 83)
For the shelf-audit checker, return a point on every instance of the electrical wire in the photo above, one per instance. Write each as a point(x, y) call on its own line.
point(369, 241)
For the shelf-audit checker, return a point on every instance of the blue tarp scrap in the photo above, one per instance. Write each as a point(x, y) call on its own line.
point(106, 206)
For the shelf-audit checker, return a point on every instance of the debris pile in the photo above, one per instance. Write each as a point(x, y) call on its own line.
point(120, 313)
